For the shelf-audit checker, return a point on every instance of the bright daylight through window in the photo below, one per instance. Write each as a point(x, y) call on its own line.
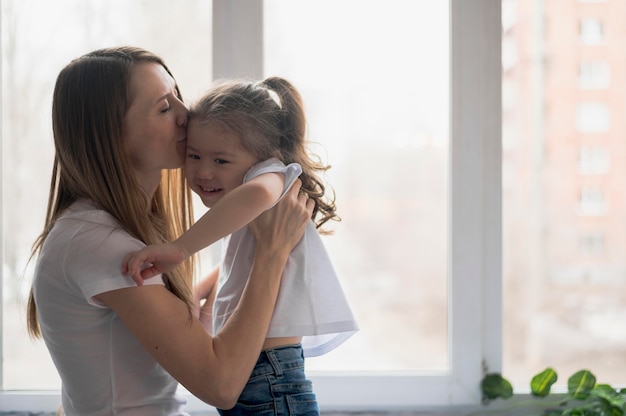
point(390, 248)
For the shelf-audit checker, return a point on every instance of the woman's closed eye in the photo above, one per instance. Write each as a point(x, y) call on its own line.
point(165, 106)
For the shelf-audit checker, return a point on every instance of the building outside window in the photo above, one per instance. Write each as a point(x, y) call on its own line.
point(564, 211)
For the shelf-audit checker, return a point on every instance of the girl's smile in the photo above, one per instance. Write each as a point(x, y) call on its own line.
point(215, 163)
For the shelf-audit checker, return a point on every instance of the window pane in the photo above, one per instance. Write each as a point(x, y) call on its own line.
point(592, 117)
point(39, 38)
point(594, 160)
point(591, 31)
point(594, 75)
point(564, 205)
point(374, 78)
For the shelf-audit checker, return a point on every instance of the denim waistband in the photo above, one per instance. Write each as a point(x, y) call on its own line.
point(278, 360)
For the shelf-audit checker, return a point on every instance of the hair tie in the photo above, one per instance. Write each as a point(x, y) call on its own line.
point(274, 96)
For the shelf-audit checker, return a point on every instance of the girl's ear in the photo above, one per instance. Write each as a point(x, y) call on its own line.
point(277, 154)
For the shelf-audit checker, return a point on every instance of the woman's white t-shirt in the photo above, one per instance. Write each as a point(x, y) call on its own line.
point(103, 368)
point(311, 302)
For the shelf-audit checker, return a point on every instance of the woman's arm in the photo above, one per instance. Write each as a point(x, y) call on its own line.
point(236, 209)
point(215, 369)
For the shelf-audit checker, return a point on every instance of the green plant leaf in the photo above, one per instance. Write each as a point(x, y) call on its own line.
point(580, 384)
point(541, 383)
point(609, 394)
point(494, 385)
point(594, 406)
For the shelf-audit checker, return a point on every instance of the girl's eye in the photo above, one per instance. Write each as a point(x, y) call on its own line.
point(220, 161)
point(193, 156)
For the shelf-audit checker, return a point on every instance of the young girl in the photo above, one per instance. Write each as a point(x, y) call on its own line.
point(246, 145)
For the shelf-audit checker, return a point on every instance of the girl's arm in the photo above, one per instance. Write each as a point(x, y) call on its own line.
point(216, 369)
point(236, 209)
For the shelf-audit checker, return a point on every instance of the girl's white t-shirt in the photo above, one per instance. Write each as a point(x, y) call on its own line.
point(103, 368)
point(311, 302)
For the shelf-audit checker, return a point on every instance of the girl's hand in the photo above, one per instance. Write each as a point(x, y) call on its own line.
point(153, 260)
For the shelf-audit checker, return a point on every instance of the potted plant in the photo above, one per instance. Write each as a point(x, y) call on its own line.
point(584, 396)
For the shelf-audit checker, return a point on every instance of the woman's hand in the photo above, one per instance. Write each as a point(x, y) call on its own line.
point(281, 228)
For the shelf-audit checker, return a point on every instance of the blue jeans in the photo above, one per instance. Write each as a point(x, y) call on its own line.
point(277, 386)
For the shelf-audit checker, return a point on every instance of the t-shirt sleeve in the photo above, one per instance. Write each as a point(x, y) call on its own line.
point(291, 172)
point(96, 264)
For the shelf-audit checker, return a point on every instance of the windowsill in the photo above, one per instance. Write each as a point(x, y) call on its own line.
point(45, 403)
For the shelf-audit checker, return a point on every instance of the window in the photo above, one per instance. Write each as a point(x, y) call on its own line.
point(591, 31)
point(592, 117)
point(594, 160)
point(592, 244)
point(592, 202)
point(469, 220)
point(594, 75)
point(38, 39)
point(376, 137)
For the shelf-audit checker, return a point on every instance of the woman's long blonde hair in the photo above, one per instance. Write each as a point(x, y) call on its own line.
point(91, 98)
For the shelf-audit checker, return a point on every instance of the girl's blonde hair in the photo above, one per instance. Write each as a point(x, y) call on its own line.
point(268, 117)
point(90, 100)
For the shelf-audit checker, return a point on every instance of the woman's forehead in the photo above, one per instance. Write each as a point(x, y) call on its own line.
point(150, 81)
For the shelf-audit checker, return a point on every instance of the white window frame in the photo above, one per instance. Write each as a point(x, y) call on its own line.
point(475, 254)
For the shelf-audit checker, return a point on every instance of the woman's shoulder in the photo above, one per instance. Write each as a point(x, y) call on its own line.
point(88, 211)
point(88, 227)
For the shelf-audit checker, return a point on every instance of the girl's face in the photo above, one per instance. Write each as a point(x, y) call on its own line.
point(216, 163)
point(155, 123)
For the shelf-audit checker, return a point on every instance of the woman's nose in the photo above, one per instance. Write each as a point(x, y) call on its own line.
point(182, 117)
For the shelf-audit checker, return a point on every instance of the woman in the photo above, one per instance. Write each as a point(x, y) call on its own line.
point(119, 127)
